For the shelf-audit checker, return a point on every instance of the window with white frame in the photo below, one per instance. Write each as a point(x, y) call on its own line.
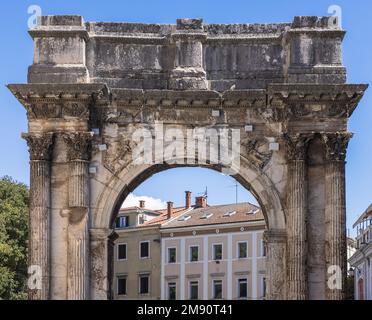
point(242, 288)
point(144, 249)
point(242, 249)
point(217, 251)
point(122, 286)
point(217, 289)
point(122, 222)
point(172, 287)
point(194, 253)
point(172, 255)
point(194, 290)
point(122, 251)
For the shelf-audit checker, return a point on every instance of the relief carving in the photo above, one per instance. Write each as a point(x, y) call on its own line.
point(79, 145)
point(257, 152)
point(296, 145)
point(76, 110)
point(336, 145)
point(118, 154)
point(44, 110)
point(40, 145)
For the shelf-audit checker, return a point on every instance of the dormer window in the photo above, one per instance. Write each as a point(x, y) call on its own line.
point(252, 211)
point(206, 215)
point(184, 218)
point(229, 213)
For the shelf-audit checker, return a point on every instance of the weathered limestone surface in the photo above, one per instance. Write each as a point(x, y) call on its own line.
point(276, 241)
point(297, 205)
point(40, 146)
point(335, 210)
point(93, 84)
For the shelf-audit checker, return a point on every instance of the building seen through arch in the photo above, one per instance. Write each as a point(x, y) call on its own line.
point(196, 251)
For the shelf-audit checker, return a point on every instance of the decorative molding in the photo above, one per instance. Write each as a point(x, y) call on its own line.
point(50, 101)
point(336, 144)
point(79, 145)
point(39, 145)
point(315, 101)
point(296, 145)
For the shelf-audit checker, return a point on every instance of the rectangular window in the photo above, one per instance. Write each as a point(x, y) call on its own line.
point(242, 250)
point(172, 291)
point(217, 289)
point(122, 222)
point(122, 251)
point(217, 252)
point(122, 286)
point(194, 253)
point(194, 290)
point(242, 288)
point(144, 249)
point(172, 255)
point(144, 284)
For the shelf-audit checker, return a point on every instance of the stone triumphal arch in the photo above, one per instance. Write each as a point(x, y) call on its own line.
point(91, 85)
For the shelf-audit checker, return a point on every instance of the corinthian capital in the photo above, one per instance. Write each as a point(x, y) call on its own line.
point(336, 144)
point(296, 145)
point(79, 145)
point(39, 145)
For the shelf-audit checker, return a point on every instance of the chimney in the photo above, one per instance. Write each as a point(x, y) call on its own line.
point(169, 209)
point(142, 204)
point(201, 202)
point(188, 199)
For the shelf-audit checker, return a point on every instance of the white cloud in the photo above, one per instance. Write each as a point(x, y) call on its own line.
point(150, 202)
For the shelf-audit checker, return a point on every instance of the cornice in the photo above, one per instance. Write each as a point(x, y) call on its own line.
point(280, 102)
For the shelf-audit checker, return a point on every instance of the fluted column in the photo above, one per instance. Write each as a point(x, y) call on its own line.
point(276, 264)
point(101, 248)
point(335, 213)
point(40, 148)
point(78, 154)
point(296, 223)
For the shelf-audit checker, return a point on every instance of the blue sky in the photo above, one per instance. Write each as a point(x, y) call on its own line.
point(16, 56)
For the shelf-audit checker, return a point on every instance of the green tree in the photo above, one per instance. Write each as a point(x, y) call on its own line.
point(14, 201)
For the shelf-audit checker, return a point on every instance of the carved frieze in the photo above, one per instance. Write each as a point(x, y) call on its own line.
point(40, 145)
point(79, 145)
point(75, 110)
point(336, 144)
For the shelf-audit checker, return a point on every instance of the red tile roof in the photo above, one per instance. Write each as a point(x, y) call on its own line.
point(163, 216)
point(244, 212)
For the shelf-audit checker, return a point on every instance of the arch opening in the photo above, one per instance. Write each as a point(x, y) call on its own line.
point(248, 179)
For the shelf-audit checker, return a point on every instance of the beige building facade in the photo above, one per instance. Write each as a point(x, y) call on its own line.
point(137, 264)
point(214, 261)
point(196, 252)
